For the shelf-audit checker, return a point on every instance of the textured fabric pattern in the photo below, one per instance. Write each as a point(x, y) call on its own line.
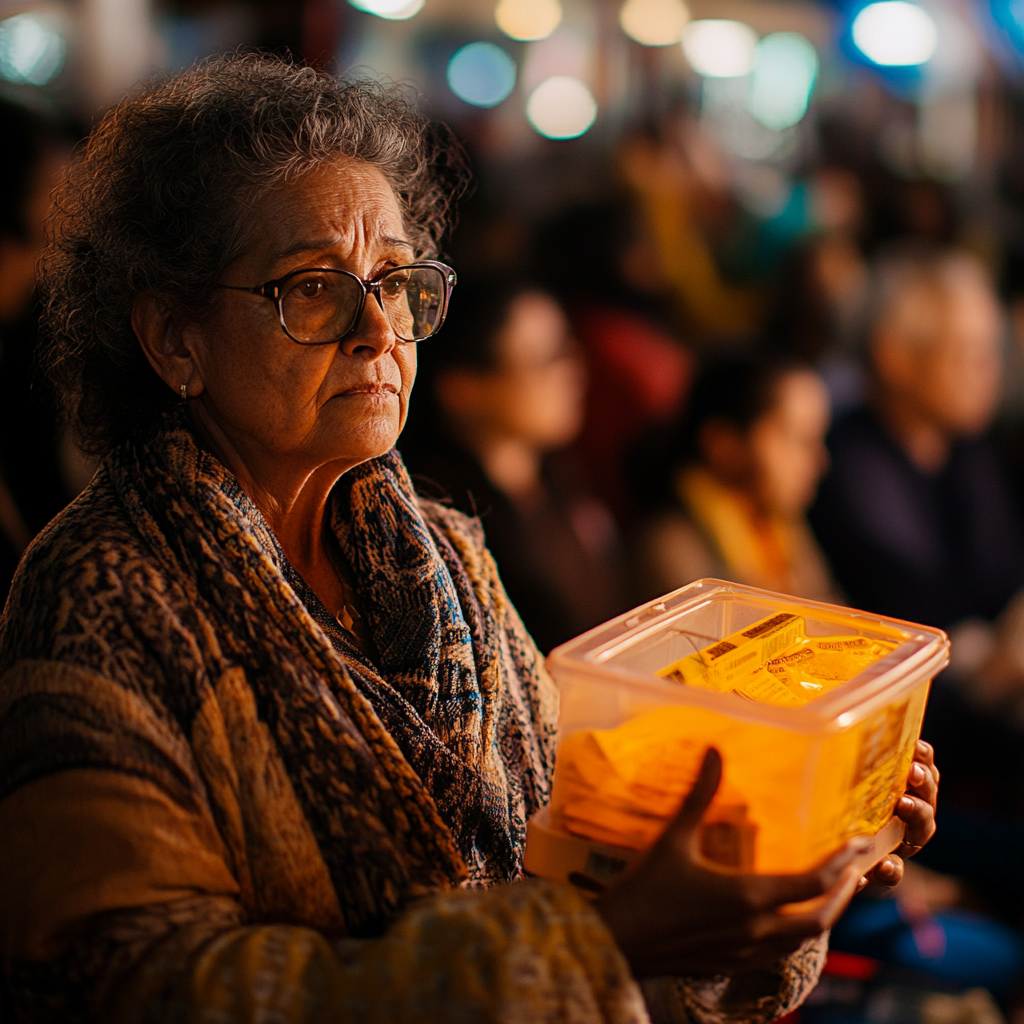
point(525, 954)
point(751, 997)
point(367, 758)
point(155, 631)
point(163, 580)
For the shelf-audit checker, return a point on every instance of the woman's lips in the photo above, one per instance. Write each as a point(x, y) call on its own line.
point(372, 388)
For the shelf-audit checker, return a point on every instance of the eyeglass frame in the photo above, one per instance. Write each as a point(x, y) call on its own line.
point(272, 290)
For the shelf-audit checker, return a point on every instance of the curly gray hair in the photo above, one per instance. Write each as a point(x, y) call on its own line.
point(162, 199)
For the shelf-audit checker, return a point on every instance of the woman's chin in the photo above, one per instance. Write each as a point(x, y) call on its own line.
point(367, 438)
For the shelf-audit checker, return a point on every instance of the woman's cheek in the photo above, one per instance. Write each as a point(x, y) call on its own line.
point(407, 363)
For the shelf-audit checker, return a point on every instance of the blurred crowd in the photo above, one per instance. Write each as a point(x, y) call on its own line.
point(640, 390)
point(647, 387)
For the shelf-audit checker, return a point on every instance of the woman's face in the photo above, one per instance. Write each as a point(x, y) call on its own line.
point(536, 390)
point(307, 406)
point(787, 445)
point(539, 388)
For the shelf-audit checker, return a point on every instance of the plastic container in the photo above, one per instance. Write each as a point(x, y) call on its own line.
point(798, 782)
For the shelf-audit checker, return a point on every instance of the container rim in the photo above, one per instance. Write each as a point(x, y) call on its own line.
point(923, 653)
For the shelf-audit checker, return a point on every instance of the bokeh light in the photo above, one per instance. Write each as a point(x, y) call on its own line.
point(393, 10)
point(654, 22)
point(1008, 21)
point(481, 74)
point(719, 47)
point(561, 107)
point(895, 33)
point(785, 69)
point(31, 50)
point(528, 20)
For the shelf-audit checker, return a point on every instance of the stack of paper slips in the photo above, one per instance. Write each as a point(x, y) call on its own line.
point(774, 662)
point(621, 786)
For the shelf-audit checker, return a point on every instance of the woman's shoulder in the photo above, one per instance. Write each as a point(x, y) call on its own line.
point(76, 576)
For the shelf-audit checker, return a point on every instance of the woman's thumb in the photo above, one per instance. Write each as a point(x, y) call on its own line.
point(700, 796)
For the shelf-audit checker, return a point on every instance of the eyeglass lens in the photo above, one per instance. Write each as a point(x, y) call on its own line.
point(319, 307)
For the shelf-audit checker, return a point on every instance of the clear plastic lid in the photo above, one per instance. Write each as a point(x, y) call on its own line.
point(636, 646)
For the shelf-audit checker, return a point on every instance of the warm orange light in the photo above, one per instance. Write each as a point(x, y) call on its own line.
point(528, 20)
point(654, 22)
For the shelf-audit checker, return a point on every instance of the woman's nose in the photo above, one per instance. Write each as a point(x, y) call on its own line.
point(374, 336)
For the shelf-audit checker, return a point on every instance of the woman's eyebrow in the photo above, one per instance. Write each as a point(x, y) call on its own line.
point(305, 245)
point(323, 244)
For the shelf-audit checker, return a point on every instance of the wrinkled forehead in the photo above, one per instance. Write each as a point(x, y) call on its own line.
point(346, 207)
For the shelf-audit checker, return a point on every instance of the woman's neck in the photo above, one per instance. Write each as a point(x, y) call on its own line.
point(293, 501)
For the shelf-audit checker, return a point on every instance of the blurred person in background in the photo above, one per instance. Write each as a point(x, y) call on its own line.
point(33, 488)
point(914, 514)
point(605, 270)
point(919, 523)
point(502, 398)
point(928, 924)
point(819, 300)
point(730, 484)
point(681, 180)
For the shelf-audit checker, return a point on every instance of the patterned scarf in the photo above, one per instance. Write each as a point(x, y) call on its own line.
point(415, 773)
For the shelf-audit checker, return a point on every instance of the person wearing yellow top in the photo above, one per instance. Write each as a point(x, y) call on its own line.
point(729, 486)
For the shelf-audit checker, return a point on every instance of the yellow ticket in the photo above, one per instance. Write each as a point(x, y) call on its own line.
point(724, 664)
point(816, 665)
point(765, 688)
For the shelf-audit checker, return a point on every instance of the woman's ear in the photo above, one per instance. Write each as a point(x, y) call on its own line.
point(167, 344)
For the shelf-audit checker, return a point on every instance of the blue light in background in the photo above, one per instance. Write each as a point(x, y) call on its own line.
point(1008, 22)
point(31, 51)
point(481, 74)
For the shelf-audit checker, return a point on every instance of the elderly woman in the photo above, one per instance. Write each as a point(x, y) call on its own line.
point(270, 731)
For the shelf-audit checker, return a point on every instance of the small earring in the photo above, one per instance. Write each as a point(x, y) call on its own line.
point(184, 393)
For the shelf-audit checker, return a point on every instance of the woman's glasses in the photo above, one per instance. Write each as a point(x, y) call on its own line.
point(322, 306)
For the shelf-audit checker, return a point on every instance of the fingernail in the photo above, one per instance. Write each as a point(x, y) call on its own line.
point(906, 803)
point(916, 774)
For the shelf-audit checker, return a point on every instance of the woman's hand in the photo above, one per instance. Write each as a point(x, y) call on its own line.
point(917, 809)
point(678, 914)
